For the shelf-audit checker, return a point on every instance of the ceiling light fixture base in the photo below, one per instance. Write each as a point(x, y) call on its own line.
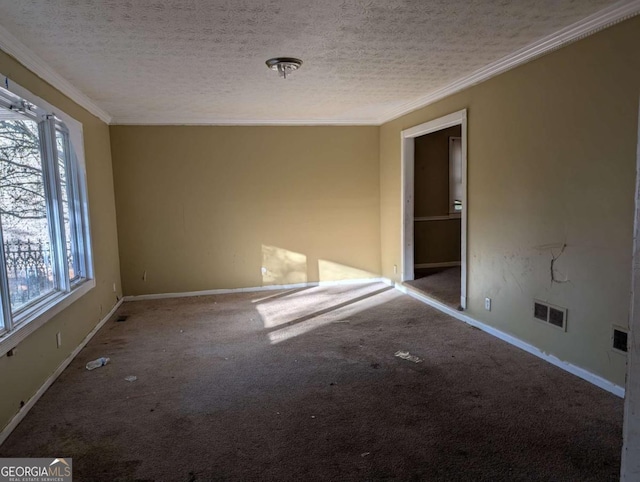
point(284, 65)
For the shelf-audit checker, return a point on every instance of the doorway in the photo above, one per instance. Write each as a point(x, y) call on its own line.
point(434, 205)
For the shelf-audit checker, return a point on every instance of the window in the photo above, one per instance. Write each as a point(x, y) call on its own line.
point(45, 256)
point(455, 175)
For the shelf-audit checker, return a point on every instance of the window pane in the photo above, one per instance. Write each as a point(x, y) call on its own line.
point(65, 186)
point(25, 227)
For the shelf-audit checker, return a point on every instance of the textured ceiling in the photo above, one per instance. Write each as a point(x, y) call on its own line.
point(146, 61)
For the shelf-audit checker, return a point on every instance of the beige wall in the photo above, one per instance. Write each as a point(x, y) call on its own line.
point(551, 160)
point(437, 241)
point(203, 208)
point(37, 357)
point(434, 241)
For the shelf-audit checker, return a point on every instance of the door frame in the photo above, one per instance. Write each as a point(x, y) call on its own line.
point(630, 464)
point(407, 154)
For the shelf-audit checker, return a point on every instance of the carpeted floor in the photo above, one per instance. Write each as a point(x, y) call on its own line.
point(304, 385)
point(442, 284)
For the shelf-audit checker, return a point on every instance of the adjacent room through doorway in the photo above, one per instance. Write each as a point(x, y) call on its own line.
point(437, 214)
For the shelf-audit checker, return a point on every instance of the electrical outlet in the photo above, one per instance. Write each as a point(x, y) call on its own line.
point(59, 339)
point(395, 269)
point(114, 288)
point(487, 304)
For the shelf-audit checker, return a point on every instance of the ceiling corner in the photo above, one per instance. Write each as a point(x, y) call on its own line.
point(607, 17)
point(23, 54)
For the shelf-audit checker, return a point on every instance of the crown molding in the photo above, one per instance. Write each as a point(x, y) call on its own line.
point(606, 17)
point(170, 120)
point(23, 54)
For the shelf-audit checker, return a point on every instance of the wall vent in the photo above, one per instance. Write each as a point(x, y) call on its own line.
point(555, 316)
point(540, 311)
point(620, 339)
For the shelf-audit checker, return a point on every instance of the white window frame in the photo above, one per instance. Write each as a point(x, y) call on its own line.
point(455, 175)
point(17, 326)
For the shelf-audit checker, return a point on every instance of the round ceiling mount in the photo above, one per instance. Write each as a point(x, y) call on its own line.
point(284, 65)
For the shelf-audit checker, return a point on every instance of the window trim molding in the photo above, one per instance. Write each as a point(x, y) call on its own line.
point(37, 315)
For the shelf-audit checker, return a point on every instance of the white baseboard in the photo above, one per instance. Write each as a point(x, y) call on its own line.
point(444, 264)
point(186, 294)
point(512, 340)
point(32, 401)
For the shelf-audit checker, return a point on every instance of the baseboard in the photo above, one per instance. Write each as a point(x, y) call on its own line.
point(444, 264)
point(512, 340)
point(32, 401)
point(312, 284)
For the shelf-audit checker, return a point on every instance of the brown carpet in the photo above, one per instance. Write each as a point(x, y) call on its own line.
point(442, 284)
point(304, 385)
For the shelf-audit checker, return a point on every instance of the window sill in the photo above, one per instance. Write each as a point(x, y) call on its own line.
point(39, 315)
